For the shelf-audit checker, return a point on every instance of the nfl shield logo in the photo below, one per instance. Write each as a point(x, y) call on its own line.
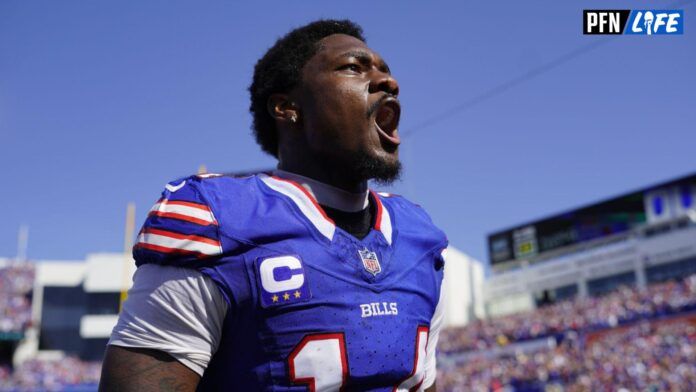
point(370, 262)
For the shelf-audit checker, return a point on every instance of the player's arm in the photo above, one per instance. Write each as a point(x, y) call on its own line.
point(171, 324)
point(167, 331)
point(135, 369)
point(436, 324)
point(430, 355)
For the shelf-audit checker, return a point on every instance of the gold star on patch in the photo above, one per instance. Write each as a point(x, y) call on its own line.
point(297, 294)
point(286, 296)
point(274, 298)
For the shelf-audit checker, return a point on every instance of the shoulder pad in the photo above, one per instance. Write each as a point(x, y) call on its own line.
point(180, 226)
point(413, 215)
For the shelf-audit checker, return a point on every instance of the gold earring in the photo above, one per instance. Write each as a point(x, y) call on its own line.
point(293, 118)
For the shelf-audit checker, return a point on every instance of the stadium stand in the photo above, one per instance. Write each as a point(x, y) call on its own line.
point(630, 339)
point(627, 340)
point(16, 283)
point(67, 374)
point(622, 306)
point(64, 374)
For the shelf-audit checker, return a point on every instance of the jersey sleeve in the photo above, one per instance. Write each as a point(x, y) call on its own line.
point(180, 230)
point(178, 311)
point(436, 325)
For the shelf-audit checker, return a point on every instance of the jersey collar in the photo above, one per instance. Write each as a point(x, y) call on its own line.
point(310, 208)
point(328, 195)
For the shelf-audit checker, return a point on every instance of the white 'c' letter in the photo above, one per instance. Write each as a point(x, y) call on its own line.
point(268, 280)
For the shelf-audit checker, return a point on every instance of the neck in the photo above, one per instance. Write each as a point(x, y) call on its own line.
point(325, 174)
point(329, 195)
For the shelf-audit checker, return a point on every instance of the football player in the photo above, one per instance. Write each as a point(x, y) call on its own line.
point(300, 279)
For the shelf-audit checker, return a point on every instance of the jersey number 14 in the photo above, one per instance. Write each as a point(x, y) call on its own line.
point(320, 361)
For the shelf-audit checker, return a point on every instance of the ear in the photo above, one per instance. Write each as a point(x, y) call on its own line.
point(283, 109)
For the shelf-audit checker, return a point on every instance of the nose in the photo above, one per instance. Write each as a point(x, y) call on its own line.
point(384, 82)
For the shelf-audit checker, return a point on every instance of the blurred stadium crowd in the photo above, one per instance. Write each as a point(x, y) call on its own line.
point(67, 374)
point(16, 287)
point(16, 284)
point(627, 340)
point(619, 307)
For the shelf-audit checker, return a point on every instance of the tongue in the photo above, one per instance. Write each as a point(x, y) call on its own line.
point(385, 118)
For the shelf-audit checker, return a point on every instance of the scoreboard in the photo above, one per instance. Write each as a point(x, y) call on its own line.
point(652, 205)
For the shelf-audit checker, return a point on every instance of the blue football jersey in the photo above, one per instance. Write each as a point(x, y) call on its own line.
point(310, 306)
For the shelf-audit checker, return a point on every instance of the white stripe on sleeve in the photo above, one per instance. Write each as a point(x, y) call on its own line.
point(196, 213)
point(167, 241)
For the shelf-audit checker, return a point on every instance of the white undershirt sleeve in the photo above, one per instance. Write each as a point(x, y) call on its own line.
point(179, 311)
point(433, 337)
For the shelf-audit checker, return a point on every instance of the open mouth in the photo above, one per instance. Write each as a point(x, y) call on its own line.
point(387, 121)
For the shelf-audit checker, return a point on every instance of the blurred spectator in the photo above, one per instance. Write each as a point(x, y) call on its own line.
point(657, 356)
point(16, 284)
point(618, 342)
point(621, 306)
point(56, 375)
point(5, 381)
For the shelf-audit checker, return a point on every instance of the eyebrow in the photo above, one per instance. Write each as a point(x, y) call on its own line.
point(365, 58)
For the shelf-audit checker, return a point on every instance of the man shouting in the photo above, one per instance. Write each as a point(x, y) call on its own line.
point(300, 279)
